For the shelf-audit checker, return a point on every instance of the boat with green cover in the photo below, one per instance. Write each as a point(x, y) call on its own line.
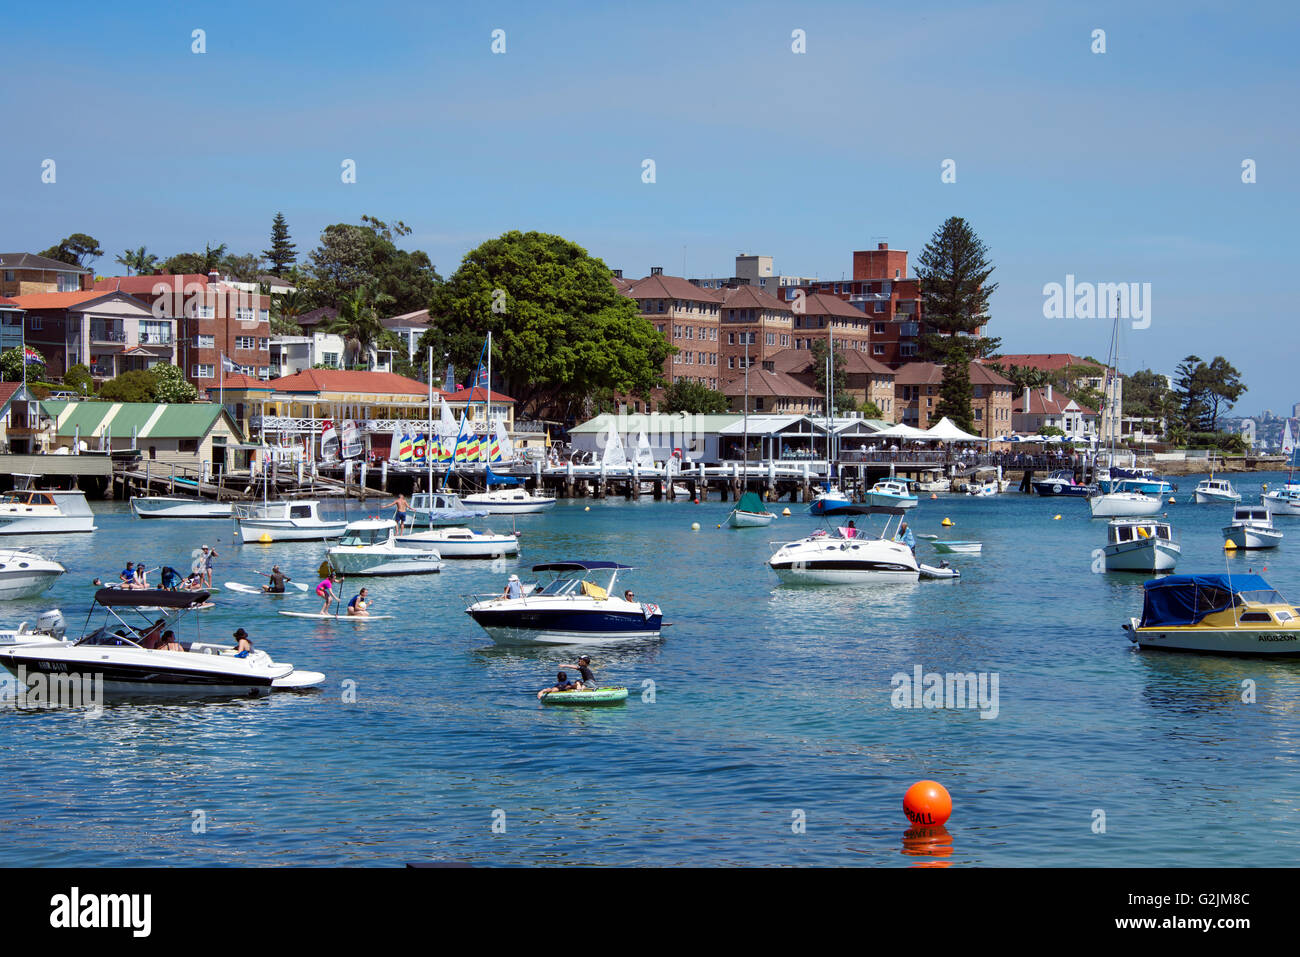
point(586, 696)
point(750, 512)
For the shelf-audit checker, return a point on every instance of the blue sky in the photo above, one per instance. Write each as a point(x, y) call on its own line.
point(1115, 167)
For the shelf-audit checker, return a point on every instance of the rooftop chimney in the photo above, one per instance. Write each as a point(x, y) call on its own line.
point(1026, 399)
point(618, 274)
point(656, 270)
point(214, 276)
point(882, 245)
point(1049, 392)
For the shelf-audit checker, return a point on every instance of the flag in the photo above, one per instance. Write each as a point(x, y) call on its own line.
point(480, 378)
point(417, 449)
point(227, 365)
point(30, 355)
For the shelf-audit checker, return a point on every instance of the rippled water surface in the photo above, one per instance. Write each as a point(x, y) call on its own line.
point(767, 699)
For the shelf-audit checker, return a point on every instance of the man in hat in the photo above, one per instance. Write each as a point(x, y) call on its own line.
point(278, 579)
point(513, 588)
point(586, 679)
point(242, 645)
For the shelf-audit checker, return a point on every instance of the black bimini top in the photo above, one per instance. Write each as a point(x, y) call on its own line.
point(576, 566)
point(153, 597)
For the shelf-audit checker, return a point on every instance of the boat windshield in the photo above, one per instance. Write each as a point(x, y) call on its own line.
point(103, 636)
point(364, 536)
point(1263, 597)
point(562, 586)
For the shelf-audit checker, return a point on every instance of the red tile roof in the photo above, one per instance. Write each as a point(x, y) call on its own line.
point(144, 285)
point(60, 300)
point(669, 287)
point(7, 390)
point(1040, 404)
point(798, 361)
point(375, 383)
point(919, 373)
point(6, 301)
point(763, 382)
point(1047, 361)
point(981, 375)
point(822, 304)
point(751, 297)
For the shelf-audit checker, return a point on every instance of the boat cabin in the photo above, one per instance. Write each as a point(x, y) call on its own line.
point(575, 579)
point(1183, 601)
point(1251, 515)
point(1121, 532)
point(371, 532)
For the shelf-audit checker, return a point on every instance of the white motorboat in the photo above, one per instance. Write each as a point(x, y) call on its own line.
point(1137, 545)
point(35, 512)
point(509, 501)
point(891, 493)
point(1124, 503)
point(293, 521)
point(162, 506)
point(1284, 500)
point(1216, 491)
point(25, 574)
point(1252, 527)
point(750, 512)
point(370, 547)
point(123, 660)
point(569, 610)
point(441, 508)
point(461, 542)
point(846, 556)
point(1228, 614)
point(983, 489)
point(50, 630)
point(959, 548)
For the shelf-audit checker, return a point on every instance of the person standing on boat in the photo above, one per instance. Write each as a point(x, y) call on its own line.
point(513, 588)
point(399, 515)
point(277, 583)
point(325, 591)
point(205, 565)
point(905, 536)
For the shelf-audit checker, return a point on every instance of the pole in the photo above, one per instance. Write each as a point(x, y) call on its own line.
point(428, 439)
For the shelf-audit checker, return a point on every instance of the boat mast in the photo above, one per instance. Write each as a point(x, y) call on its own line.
point(745, 448)
point(428, 438)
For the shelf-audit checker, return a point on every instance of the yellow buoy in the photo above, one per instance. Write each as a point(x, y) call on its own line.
point(786, 510)
point(587, 508)
point(1056, 518)
point(946, 523)
point(1229, 546)
point(266, 538)
point(934, 496)
point(695, 526)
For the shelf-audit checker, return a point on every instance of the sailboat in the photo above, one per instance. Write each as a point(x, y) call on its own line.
point(1285, 500)
point(750, 512)
point(1125, 497)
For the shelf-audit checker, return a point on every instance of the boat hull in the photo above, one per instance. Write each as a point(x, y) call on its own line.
point(1146, 555)
point(878, 500)
point(844, 573)
point(175, 508)
point(137, 671)
point(1063, 489)
point(350, 563)
point(1255, 642)
point(739, 519)
point(1276, 505)
point(26, 585)
point(1217, 498)
point(1244, 536)
point(42, 525)
point(252, 530)
point(567, 626)
point(1122, 505)
point(487, 546)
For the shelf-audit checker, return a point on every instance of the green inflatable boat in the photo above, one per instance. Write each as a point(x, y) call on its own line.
point(593, 696)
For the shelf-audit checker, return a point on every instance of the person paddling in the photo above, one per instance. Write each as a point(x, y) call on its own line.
point(325, 591)
point(278, 580)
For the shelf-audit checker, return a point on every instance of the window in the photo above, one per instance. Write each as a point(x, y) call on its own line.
point(878, 328)
point(877, 350)
point(264, 372)
point(264, 314)
point(35, 322)
point(771, 338)
point(202, 372)
point(263, 345)
point(205, 342)
point(247, 315)
point(690, 332)
point(188, 445)
point(330, 358)
point(880, 307)
point(9, 275)
point(245, 342)
point(69, 282)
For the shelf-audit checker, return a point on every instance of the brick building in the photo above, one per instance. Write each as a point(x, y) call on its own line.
point(917, 388)
point(749, 313)
point(867, 379)
point(110, 332)
point(24, 274)
point(688, 317)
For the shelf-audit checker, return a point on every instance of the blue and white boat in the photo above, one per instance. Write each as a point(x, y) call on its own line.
point(571, 609)
point(891, 493)
point(1135, 480)
point(831, 501)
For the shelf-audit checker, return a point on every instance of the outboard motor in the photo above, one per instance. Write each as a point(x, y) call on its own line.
point(51, 622)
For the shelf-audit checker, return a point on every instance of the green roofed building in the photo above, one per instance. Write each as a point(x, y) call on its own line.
point(198, 435)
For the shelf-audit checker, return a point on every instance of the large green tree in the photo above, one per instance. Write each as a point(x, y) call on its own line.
point(683, 396)
point(561, 331)
point(283, 252)
point(955, 390)
point(78, 249)
point(134, 386)
point(170, 384)
point(353, 257)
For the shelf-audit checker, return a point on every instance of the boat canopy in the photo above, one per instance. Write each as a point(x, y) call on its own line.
point(1186, 599)
point(150, 597)
point(750, 502)
point(577, 566)
point(491, 478)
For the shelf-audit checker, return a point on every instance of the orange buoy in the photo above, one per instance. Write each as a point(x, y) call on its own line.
point(928, 803)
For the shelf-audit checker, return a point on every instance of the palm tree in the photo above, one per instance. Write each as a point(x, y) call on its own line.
point(141, 260)
point(212, 256)
point(358, 323)
point(285, 310)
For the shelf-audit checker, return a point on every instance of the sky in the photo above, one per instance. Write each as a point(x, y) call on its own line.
point(1116, 166)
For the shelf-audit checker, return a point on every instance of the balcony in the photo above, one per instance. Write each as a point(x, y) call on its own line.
point(103, 333)
point(908, 330)
point(869, 297)
point(156, 338)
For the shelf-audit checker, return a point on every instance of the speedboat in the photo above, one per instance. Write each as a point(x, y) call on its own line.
point(1138, 545)
point(750, 512)
point(845, 556)
point(34, 512)
point(119, 659)
point(285, 522)
point(1061, 482)
point(461, 542)
point(509, 501)
point(1142, 480)
point(441, 508)
point(983, 489)
point(1279, 501)
point(25, 574)
point(1217, 614)
point(891, 493)
point(571, 609)
point(1213, 491)
point(1125, 502)
point(370, 547)
point(831, 501)
point(1252, 527)
point(162, 506)
point(50, 630)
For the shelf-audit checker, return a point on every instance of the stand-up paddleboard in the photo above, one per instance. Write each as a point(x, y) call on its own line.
point(243, 589)
point(593, 696)
point(318, 617)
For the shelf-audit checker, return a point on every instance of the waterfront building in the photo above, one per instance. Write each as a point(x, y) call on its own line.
point(199, 436)
point(25, 274)
point(774, 392)
point(1038, 409)
point(110, 332)
point(867, 379)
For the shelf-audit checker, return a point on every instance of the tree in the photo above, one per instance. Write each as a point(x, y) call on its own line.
point(1223, 385)
point(285, 310)
point(955, 389)
point(282, 253)
point(353, 257)
point(844, 401)
point(11, 366)
point(684, 396)
point(134, 386)
point(358, 323)
point(244, 268)
point(76, 250)
point(184, 264)
point(1190, 393)
point(870, 410)
point(170, 384)
point(561, 331)
point(141, 260)
point(78, 378)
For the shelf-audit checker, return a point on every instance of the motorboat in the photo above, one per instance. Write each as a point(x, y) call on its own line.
point(1284, 500)
point(370, 547)
point(750, 512)
point(293, 521)
point(1062, 482)
point(844, 555)
point(1125, 502)
point(983, 489)
point(460, 542)
point(26, 574)
point(579, 606)
point(440, 508)
point(958, 548)
point(935, 483)
point(1216, 491)
point(829, 500)
point(891, 493)
point(121, 659)
point(1138, 545)
point(37, 512)
point(1252, 527)
point(1142, 480)
point(1216, 614)
point(50, 630)
point(509, 501)
point(163, 506)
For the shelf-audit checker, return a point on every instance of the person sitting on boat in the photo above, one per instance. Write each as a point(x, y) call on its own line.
point(562, 683)
point(127, 578)
point(243, 647)
point(169, 642)
point(513, 588)
point(141, 576)
point(325, 591)
point(278, 579)
point(628, 596)
point(151, 639)
point(905, 536)
point(358, 605)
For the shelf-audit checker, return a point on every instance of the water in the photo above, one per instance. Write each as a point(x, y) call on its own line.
point(767, 699)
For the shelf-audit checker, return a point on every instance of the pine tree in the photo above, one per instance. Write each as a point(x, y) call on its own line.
point(282, 253)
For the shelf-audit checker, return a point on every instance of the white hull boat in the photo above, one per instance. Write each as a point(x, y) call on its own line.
point(1124, 505)
point(25, 574)
point(1282, 501)
point(45, 513)
point(959, 548)
point(458, 542)
point(846, 558)
point(509, 501)
point(160, 506)
point(1252, 528)
point(1140, 546)
point(750, 512)
point(984, 490)
point(1214, 491)
point(891, 494)
point(370, 548)
point(441, 508)
point(285, 522)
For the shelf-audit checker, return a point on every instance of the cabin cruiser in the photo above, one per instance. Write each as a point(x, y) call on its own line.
point(1134, 480)
point(831, 501)
point(891, 493)
point(1061, 482)
point(26, 574)
point(750, 512)
point(1252, 527)
point(35, 512)
point(1217, 614)
point(1140, 545)
point(122, 657)
point(846, 556)
point(1125, 502)
point(440, 508)
point(162, 506)
point(1212, 491)
point(509, 501)
point(370, 547)
point(571, 609)
point(460, 542)
point(1279, 501)
point(293, 521)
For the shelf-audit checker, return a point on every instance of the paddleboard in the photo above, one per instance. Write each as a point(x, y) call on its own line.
point(317, 617)
point(594, 696)
point(257, 589)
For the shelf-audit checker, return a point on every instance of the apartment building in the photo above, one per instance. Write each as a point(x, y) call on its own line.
point(866, 379)
point(917, 389)
point(754, 325)
point(688, 316)
point(25, 274)
point(110, 332)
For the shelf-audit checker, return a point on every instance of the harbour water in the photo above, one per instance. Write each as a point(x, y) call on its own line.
point(761, 701)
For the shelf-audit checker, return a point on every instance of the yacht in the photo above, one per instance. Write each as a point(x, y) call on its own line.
point(571, 609)
point(892, 493)
point(26, 574)
point(1135, 480)
point(1216, 614)
point(845, 556)
point(1252, 527)
point(118, 656)
point(461, 542)
point(1284, 500)
point(1214, 491)
point(293, 521)
point(509, 501)
point(162, 506)
point(1125, 502)
point(440, 508)
point(36, 512)
point(1140, 545)
point(370, 547)
point(1062, 482)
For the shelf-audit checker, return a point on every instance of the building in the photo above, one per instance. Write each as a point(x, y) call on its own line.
point(772, 392)
point(1063, 368)
point(11, 324)
point(755, 326)
point(689, 318)
point(24, 274)
point(991, 402)
point(408, 327)
point(110, 332)
point(19, 419)
point(917, 389)
point(695, 437)
point(754, 271)
point(819, 316)
point(1038, 409)
point(866, 379)
point(199, 436)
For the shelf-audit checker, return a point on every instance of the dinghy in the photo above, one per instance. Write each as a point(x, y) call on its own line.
point(750, 512)
point(592, 696)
